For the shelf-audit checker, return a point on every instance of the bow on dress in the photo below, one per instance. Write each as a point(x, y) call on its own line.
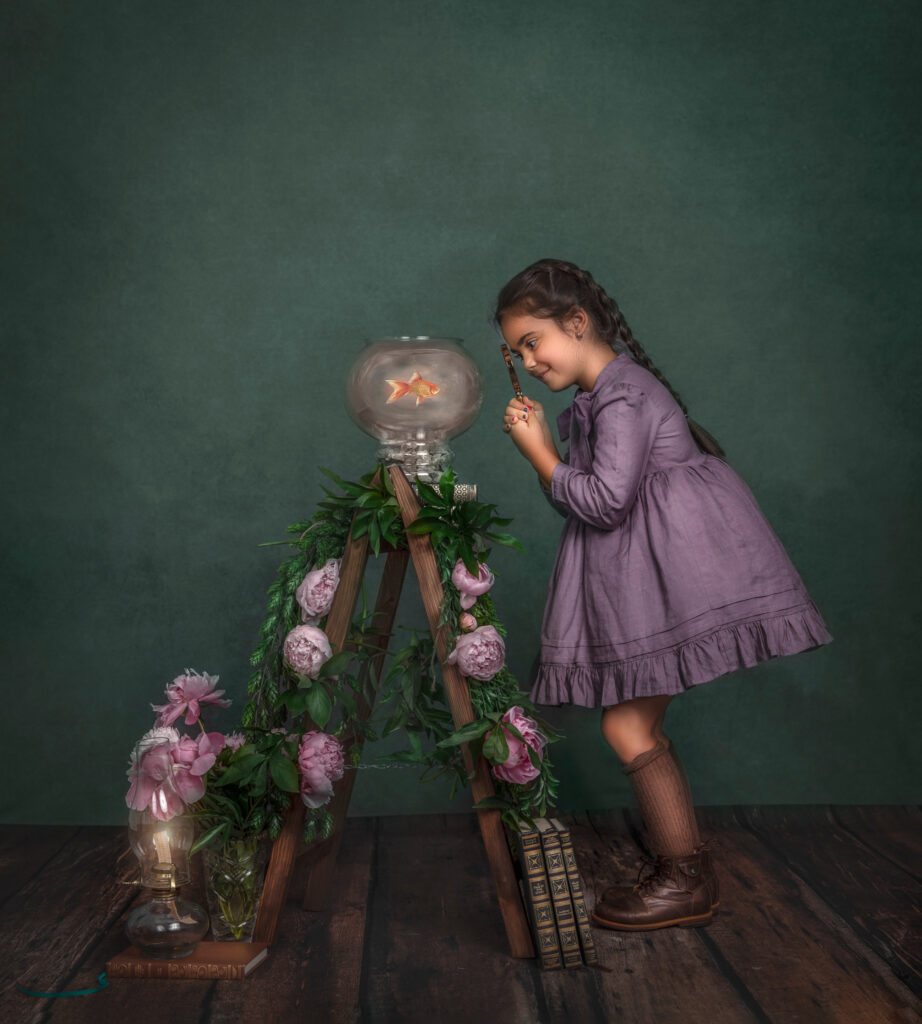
point(580, 413)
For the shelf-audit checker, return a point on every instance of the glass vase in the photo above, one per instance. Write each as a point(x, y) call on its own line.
point(234, 876)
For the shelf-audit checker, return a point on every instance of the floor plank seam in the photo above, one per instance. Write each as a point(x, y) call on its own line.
point(368, 939)
point(747, 997)
point(890, 969)
point(879, 965)
point(104, 929)
point(873, 849)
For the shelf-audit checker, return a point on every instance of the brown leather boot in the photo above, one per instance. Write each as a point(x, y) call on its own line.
point(680, 891)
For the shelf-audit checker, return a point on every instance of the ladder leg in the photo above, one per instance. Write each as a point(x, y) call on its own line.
point(459, 700)
point(321, 856)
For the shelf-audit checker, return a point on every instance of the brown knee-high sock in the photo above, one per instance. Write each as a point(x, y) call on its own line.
point(664, 796)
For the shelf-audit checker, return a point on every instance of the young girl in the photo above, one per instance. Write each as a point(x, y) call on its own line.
point(667, 574)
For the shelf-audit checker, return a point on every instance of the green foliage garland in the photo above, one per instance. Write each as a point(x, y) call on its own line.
point(410, 692)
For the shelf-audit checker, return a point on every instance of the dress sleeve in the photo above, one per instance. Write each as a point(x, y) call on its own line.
point(624, 426)
point(562, 509)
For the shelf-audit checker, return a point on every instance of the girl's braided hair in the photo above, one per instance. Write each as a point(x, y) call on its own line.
point(552, 288)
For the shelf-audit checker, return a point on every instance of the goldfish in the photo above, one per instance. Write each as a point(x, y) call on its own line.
point(415, 385)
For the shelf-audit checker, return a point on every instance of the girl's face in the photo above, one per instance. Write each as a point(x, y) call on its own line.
point(548, 352)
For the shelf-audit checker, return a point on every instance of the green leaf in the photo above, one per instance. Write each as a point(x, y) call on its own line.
point(495, 747)
point(469, 558)
point(209, 837)
point(397, 721)
point(296, 701)
point(466, 733)
point(238, 770)
point(319, 706)
point(506, 539)
point(447, 485)
point(284, 774)
point(336, 665)
point(348, 703)
point(374, 536)
point(429, 495)
point(489, 802)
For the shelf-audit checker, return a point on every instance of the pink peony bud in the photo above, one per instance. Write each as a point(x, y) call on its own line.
point(317, 590)
point(320, 758)
point(306, 649)
point(518, 767)
point(467, 622)
point(234, 741)
point(471, 587)
point(479, 655)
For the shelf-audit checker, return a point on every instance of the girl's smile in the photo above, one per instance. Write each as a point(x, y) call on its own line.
point(557, 357)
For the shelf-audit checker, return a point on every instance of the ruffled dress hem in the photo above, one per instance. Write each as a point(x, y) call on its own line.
point(678, 668)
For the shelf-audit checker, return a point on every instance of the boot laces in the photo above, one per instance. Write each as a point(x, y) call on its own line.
point(658, 869)
point(644, 884)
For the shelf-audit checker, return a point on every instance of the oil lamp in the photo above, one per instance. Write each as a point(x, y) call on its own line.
point(413, 394)
point(166, 926)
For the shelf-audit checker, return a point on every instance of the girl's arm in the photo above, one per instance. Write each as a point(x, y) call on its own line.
point(625, 427)
point(532, 435)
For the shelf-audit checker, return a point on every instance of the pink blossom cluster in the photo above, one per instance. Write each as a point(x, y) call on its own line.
point(470, 586)
point(166, 771)
point(320, 758)
point(317, 590)
point(518, 767)
point(479, 654)
point(186, 694)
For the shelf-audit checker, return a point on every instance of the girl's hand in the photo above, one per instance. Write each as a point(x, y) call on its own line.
point(536, 409)
point(529, 410)
point(531, 436)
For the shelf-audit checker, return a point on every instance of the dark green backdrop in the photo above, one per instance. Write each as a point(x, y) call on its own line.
point(210, 206)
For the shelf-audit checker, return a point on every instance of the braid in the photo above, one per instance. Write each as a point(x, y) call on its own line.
point(545, 296)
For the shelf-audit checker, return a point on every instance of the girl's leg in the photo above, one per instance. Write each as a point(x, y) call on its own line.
point(634, 730)
point(634, 726)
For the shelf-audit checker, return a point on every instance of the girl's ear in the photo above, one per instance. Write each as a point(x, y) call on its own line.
point(577, 320)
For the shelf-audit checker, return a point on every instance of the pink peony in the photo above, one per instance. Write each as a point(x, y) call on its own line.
point(166, 776)
point(306, 648)
point(471, 587)
point(518, 767)
point(316, 592)
point(480, 654)
point(192, 759)
point(186, 694)
point(152, 786)
point(320, 758)
point(467, 622)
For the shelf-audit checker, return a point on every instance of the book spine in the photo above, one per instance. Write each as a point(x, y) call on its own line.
point(537, 897)
point(560, 894)
point(583, 925)
point(175, 969)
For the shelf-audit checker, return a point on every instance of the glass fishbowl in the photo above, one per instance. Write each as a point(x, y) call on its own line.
point(413, 394)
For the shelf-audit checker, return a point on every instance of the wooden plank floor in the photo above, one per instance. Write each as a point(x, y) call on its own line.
point(820, 921)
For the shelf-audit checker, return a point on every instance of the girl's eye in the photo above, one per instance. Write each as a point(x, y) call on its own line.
point(531, 343)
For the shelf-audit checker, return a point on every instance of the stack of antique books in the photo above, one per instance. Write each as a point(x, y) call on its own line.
point(553, 894)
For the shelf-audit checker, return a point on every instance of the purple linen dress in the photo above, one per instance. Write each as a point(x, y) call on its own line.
point(667, 574)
